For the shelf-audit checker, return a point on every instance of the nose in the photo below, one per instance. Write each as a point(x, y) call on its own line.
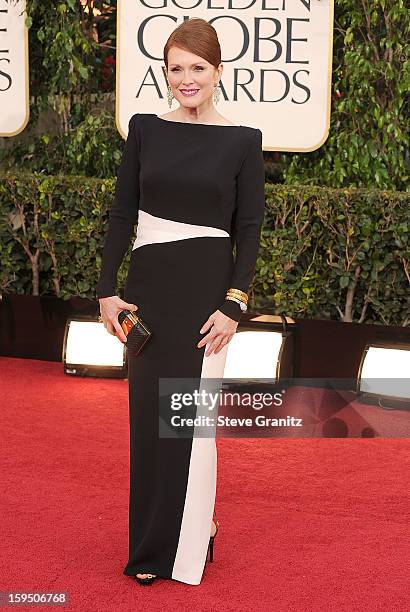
point(187, 79)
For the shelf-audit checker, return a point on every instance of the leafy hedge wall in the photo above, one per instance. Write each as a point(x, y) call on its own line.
point(325, 253)
point(368, 143)
point(336, 253)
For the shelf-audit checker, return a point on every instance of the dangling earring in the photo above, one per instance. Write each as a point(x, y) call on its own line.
point(170, 96)
point(217, 92)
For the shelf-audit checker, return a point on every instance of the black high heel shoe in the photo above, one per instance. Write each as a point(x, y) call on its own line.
point(211, 542)
point(148, 580)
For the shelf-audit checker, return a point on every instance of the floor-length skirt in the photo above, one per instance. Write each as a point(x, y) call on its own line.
point(178, 276)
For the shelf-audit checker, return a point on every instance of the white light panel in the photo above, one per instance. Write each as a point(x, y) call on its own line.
point(253, 355)
point(89, 343)
point(386, 371)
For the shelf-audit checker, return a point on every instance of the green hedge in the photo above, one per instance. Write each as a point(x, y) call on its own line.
point(325, 253)
point(335, 254)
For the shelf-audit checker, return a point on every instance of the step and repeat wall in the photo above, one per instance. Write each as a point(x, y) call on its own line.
point(277, 60)
point(277, 65)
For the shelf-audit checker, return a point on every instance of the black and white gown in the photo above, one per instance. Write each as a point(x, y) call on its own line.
point(194, 190)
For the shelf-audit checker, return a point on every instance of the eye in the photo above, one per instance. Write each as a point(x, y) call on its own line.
point(196, 67)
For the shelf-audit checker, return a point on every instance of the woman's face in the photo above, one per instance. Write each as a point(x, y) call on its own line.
point(187, 71)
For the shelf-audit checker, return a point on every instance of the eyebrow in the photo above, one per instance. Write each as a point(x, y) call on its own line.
point(194, 64)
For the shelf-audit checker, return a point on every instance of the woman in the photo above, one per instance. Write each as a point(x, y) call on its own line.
point(194, 184)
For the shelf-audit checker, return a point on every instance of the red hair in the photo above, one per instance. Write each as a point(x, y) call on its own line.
point(197, 36)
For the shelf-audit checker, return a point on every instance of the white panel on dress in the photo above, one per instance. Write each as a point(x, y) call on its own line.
point(200, 495)
point(152, 229)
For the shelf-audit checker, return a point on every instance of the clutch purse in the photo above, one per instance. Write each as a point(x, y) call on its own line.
point(136, 331)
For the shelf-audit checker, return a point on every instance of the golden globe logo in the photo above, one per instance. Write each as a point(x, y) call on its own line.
point(277, 60)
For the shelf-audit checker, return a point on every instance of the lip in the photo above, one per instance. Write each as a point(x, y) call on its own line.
point(189, 91)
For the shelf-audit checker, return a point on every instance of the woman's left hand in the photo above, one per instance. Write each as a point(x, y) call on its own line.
point(222, 332)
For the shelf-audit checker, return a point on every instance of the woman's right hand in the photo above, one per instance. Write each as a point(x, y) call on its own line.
point(109, 309)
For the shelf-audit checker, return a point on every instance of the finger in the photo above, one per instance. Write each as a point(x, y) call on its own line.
point(110, 329)
point(226, 340)
point(130, 306)
point(120, 332)
point(223, 343)
point(206, 339)
point(206, 325)
point(213, 345)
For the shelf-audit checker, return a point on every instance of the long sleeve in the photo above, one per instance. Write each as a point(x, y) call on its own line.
point(250, 210)
point(123, 213)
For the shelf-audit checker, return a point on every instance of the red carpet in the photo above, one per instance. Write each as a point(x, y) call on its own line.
point(305, 525)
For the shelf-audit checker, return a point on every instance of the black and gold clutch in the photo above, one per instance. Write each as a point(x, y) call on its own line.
point(135, 329)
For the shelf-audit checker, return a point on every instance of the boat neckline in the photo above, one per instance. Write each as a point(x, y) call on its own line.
point(195, 123)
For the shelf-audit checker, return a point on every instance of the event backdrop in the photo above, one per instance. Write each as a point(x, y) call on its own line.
point(277, 59)
point(277, 65)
